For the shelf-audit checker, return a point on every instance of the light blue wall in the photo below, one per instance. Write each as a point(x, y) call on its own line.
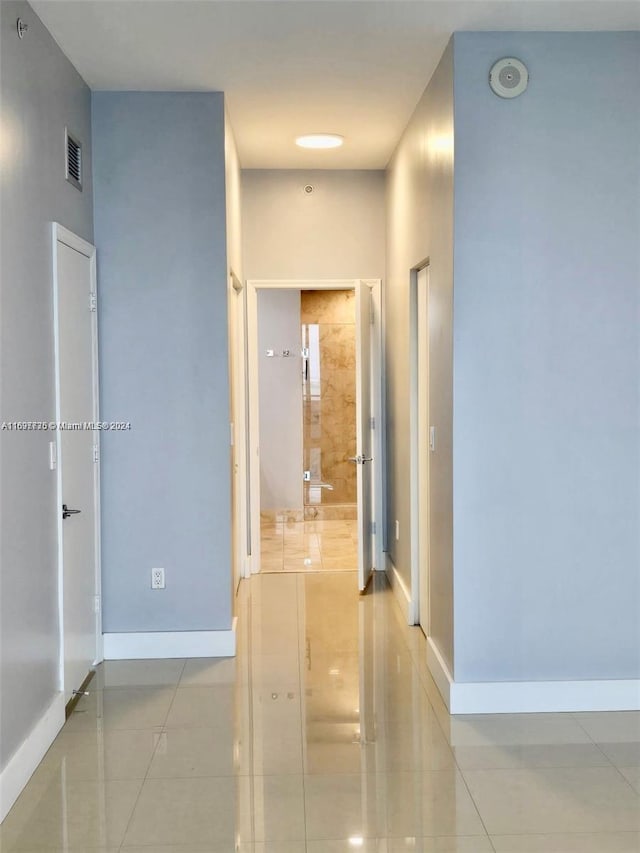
point(41, 92)
point(420, 225)
point(159, 173)
point(546, 360)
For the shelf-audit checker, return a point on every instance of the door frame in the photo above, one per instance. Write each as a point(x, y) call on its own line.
point(60, 234)
point(419, 480)
point(252, 497)
point(239, 426)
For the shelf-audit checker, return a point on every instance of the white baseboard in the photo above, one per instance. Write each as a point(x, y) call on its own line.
point(171, 644)
point(400, 590)
point(29, 754)
point(531, 697)
point(439, 671)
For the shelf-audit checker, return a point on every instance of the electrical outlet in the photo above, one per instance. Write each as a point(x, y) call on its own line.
point(397, 530)
point(157, 578)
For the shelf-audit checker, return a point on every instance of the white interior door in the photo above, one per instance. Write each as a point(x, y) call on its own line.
point(78, 453)
point(364, 458)
point(423, 446)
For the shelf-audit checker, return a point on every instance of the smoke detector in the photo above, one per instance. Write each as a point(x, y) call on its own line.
point(508, 77)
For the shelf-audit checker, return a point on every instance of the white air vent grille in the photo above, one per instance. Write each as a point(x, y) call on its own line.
point(73, 160)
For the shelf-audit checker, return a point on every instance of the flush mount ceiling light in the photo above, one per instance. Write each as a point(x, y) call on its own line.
point(320, 140)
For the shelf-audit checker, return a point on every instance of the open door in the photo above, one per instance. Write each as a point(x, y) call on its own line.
point(364, 458)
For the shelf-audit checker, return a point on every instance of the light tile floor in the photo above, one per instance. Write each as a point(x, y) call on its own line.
point(308, 546)
point(324, 735)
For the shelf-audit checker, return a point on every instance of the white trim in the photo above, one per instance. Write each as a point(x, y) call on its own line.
point(63, 235)
point(251, 331)
point(377, 406)
point(60, 234)
point(530, 697)
point(399, 588)
point(29, 754)
point(439, 671)
point(171, 644)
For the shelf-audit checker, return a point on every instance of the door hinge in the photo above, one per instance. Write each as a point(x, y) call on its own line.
point(372, 423)
point(372, 526)
point(93, 302)
point(96, 453)
point(96, 604)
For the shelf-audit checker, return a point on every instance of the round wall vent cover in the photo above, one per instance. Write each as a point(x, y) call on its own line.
point(508, 77)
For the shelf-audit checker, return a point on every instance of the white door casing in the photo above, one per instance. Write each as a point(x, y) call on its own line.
point(78, 453)
point(374, 383)
point(364, 459)
point(423, 532)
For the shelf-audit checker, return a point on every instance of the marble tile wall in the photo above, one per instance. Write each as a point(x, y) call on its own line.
point(328, 317)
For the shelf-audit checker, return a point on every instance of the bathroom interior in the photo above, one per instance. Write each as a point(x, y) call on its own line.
point(307, 412)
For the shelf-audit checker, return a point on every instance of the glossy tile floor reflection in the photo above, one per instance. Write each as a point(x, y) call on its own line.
point(308, 546)
point(325, 735)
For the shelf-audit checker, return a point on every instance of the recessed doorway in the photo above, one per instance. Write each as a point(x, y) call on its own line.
point(315, 447)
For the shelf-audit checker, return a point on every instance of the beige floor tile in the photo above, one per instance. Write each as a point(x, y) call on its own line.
point(190, 848)
point(616, 842)
point(632, 775)
point(463, 844)
point(137, 673)
point(110, 755)
point(302, 564)
point(430, 803)
point(185, 753)
point(271, 563)
point(186, 811)
point(552, 800)
point(209, 672)
point(60, 849)
point(121, 708)
point(335, 687)
point(346, 845)
point(530, 755)
point(611, 727)
point(278, 808)
point(343, 806)
point(517, 729)
point(77, 815)
point(202, 707)
point(339, 564)
point(622, 754)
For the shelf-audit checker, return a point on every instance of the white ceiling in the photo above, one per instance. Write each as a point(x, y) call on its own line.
point(355, 68)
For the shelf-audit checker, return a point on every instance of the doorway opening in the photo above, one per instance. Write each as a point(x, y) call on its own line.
point(75, 457)
point(315, 444)
point(307, 396)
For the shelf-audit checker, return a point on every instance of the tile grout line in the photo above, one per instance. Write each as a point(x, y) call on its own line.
point(299, 581)
point(146, 776)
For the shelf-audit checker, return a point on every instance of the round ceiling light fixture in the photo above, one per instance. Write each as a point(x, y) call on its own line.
point(320, 140)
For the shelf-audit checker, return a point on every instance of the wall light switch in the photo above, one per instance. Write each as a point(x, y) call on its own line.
point(270, 353)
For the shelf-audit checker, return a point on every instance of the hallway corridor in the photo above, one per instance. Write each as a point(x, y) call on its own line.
point(324, 735)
